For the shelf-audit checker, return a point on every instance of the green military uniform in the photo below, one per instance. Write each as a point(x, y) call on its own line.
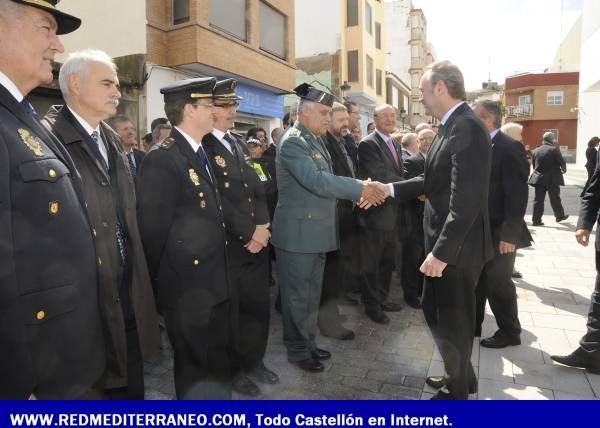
point(304, 229)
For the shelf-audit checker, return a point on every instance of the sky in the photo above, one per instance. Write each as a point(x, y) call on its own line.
point(514, 35)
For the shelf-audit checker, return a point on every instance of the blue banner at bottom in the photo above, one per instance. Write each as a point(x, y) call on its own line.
point(258, 414)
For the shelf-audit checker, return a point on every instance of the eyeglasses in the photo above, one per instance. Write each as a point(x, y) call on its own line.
point(227, 105)
point(208, 106)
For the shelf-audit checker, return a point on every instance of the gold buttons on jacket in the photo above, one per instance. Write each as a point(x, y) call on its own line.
point(201, 194)
point(53, 207)
point(245, 185)
point(52, 173)
point(94, 232)
point(196, 262)
point(40, 315)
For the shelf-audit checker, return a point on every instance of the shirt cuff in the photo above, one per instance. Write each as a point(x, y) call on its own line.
point(391, 187)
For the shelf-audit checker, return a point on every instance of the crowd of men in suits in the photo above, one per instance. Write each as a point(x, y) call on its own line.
point(98, 237)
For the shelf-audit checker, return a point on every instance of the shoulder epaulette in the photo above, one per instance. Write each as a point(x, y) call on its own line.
point(235, 134)
point(295, 132)
point(167, 143)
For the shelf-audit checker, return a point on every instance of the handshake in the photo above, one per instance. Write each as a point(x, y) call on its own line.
point(374, 193)
point(260, 239)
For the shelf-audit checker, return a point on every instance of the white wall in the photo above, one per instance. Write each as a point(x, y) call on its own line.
point(117, 27)
point(589, 79)
point(159, 77)
point(318, 27)
point(397, 36)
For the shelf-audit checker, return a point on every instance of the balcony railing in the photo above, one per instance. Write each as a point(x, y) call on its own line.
point(520, 110)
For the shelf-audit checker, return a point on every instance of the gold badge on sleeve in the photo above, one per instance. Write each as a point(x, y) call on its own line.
point(194, 177)
point(32, 142)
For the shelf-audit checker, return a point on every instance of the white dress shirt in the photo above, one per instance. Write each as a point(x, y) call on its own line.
point(194, 145)
point(11, 87)
point(449, 112)
point(88, 128)
point(220, 135)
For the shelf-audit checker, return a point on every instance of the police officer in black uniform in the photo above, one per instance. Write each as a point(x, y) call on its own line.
point(50, 334)
point(247, 219)
point(183, 232)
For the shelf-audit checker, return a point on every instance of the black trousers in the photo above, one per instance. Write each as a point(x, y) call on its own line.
point(496, 285)
point(251, 306)
point(413, 255)
point(590, 342)
point(540, 197)
point(135, 371)
point(201, 351)
point(449, 308)
point(377, 257)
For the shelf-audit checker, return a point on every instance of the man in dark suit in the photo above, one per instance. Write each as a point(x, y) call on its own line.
point(380, 159)
point(548, 169)
point(51, 332)
point(125, 128)
point(587, 355)
point(337, 263)
point(353, 122)
point(184, 235)
point(247, 220)
point(507, 205)
point(414, 166)
point(458, 240)
point(89, 84)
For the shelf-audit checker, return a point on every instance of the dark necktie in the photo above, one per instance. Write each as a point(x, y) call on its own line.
point(231, 142)
point(96, 150)
point(119, 232)
point(203, 160)
point(28, 108)
point(132, 165)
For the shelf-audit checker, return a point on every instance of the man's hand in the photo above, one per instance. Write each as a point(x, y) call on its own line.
point(374, 193)
point(254, 247)
point(507, 247)
point(422, 197)
point(262, 234)
point(432, 266)
point(583, 236)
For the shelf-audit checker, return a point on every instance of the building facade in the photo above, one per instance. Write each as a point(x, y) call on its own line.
point(588, 109)
point(156, 42)
point(545, 102)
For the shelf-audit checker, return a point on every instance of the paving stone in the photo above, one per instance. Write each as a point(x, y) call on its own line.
point(553, 377)
point(401, 392)
point(362, 384)
point(498, 390)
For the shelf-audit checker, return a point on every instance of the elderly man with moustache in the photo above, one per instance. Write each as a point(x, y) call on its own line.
point(89, 84)
point(51, 331)
point(305, 224)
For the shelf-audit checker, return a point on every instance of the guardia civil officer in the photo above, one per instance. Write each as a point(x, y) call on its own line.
point(50, 331)
point(183, 232)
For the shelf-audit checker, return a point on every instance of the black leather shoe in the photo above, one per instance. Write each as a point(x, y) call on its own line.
point(443, 394)
point(339, 333)
point(517, 274)
point(563, 218)
point(320, 354)
point(378, 316)
point(438, 382)
point(264, 375)
point(413, 302)
point(537, 223)
point(244, 385)
point(577, 359)
point(310, 365)
point(498, 341)
point(391, 307)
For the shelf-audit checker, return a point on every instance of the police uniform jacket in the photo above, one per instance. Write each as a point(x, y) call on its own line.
point(305, 217)
point(50, 334)
point(242, 195)
point(111, 199)
point(183, 232)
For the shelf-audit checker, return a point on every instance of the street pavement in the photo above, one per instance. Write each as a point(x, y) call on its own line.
point(392, 361)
